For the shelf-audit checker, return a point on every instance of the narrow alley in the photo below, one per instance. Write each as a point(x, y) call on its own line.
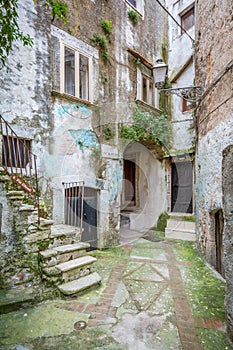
point(155, 293)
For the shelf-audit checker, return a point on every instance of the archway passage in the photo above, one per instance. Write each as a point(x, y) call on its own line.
point(143, 188)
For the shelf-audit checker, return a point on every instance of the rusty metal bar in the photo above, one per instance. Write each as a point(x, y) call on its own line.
point(74, 201)
point(17, 158)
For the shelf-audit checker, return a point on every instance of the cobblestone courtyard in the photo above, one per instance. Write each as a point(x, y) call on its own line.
point(154, 295)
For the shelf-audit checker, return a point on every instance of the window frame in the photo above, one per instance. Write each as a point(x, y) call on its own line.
point(186, 105)
point(77, 53)
point(140, 88)
point(138, 8)
point(135, 6)
point(184, 15)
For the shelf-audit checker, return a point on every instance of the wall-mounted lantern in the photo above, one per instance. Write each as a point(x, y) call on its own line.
point(190, 93)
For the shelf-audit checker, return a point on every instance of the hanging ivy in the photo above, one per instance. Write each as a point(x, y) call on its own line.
point(9, 27)
point(146, 127)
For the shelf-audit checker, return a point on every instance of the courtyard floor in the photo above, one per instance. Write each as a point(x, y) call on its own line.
point(155, 294)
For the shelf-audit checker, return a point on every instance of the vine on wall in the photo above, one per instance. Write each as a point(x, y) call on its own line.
point(9, 27)
point(146, 127)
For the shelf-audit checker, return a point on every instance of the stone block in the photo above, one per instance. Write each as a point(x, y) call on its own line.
point(82, 283)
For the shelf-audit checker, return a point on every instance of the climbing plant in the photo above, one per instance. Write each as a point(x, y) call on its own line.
point(146, 127)
point(108, 132)
point(133, 16)
point(107, 26)
point(101, 41)
point(9, 27)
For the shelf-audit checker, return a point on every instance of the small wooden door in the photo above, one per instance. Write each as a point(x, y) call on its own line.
point(182, 187)
point(218, 239)
point(129, 183)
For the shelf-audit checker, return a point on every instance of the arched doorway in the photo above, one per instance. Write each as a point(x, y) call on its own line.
point(143, 190)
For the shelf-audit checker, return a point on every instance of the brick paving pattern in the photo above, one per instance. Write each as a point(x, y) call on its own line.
point(102, 312)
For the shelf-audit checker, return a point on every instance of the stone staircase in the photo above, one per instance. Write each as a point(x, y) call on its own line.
point(180, 229)
point(67, 266)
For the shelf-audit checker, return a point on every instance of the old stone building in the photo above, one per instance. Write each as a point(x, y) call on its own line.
point(89, 139)
point(86, 136)
point(69, 140)
point(214, 123)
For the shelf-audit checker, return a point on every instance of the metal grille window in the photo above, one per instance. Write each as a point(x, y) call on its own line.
point(75, 73)
point(15, 152)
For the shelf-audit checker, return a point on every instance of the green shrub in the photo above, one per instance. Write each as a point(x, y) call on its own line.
point(133, 16)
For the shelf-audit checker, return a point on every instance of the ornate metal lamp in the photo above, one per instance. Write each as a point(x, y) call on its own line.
point(190, 93)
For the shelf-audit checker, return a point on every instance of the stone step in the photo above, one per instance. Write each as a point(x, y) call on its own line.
point(183, 234)
point(76, 263)
point(80, 284)
point(54, 256)
point(180, 224)
point(64, 249)
point(14, 299)
point(64, 230)
point(76, 268)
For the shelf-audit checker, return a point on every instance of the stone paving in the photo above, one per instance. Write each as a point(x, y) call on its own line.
point(146, 301)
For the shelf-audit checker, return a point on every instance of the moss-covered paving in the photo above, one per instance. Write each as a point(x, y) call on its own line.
point(205, 291)
point(138, 290)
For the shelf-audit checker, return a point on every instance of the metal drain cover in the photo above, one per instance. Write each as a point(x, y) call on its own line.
point(80, 325)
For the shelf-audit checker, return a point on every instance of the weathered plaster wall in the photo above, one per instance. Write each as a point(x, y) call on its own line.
point(25, 104)
point(214, 114)
point(114, 91)
point(214, 119)
point(209, 182)
point(150, 181)
point(180, 50)
point(227, 167)
point(25, 82)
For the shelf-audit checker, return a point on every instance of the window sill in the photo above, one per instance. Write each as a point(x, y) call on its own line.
point(147, 105)
point(72, 98)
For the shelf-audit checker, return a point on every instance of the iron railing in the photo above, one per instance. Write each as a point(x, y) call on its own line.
point(18, 161)
point(74, 199)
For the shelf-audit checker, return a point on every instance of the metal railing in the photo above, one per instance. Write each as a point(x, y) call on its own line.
point(18, 160)
point(74, 199)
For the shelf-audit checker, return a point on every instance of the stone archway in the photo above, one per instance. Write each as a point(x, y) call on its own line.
point(144, 188)
point(227, 183)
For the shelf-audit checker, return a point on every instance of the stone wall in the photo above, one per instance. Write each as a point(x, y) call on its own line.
point(227, 167)
point(214, 125)
point(98, 161)
point(214, 113)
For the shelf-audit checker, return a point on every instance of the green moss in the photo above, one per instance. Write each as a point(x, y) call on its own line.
point(184, 218)
point(107, 26)
point(214, 339)
point(204, 290)
point(162, 222)
point(133, 16)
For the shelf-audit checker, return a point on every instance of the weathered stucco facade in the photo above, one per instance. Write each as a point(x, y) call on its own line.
point(214, 122)
point(76, 134)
